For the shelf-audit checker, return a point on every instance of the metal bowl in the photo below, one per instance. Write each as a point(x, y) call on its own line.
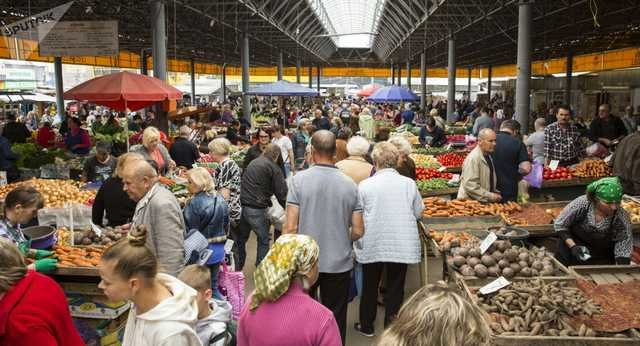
point(42, 237)
point(522, 234)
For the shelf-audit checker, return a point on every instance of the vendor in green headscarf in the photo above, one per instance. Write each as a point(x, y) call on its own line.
point(593, 229)
point(20, 207)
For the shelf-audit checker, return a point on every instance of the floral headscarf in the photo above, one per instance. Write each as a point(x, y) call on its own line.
point(291, 255)
point(607, 190)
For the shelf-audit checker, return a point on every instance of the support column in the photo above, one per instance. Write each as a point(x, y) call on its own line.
point(159, 56)
point(393, 74)
point(318, 73)
point(310, 77)
point(57, 70)
point(143, 62)
point(399, 75)
point(490, 74)
point(451, 73)
point(567, 86)
point(298, 63)
point(193, 82)
point(246, 101)
point(423, 80)
point(409, 74)
point(224, 83)
point(280, 58)
point(469, 84)
point(523, 64)
point(159, 39)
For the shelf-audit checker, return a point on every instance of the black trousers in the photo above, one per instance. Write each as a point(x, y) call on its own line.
point(393, 295)
point(334, 294)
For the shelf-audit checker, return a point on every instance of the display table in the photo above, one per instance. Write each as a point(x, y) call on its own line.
point(562, 190)
point(451, 192)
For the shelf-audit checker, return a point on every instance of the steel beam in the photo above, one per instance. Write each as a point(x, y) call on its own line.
point(567, 88)
point(423, 81)
point(57, 70)
point(159, 43)
point(489, 75)
point(193, 81)
point(451, 74)
point(246, 101)
point(523, 64)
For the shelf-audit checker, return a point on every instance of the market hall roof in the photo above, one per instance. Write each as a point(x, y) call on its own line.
point(485, 30)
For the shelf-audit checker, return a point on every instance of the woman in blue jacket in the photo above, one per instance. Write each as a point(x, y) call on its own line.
point(208, 213)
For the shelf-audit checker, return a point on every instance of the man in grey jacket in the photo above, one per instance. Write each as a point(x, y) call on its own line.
point(158, 209)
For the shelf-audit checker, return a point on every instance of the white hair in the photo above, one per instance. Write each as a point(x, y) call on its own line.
point(358, 146)
point(402, 144)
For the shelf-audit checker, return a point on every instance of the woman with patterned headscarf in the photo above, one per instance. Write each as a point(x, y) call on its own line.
point(280, 312)
point(593, 228)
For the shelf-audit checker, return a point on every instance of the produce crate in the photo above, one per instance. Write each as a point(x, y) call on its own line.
point(478, 233)
point(547, 229)
point(462, 222)
point(568, 182)
point(633, 336)
point(77, 271)
point(607, 274)
point(440, 193)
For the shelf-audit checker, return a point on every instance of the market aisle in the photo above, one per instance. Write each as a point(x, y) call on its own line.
point(353, 338)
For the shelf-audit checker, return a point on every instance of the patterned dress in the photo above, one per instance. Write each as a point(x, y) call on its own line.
point(228, 176)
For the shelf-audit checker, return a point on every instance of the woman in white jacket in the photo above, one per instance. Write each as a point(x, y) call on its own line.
point(164, 310)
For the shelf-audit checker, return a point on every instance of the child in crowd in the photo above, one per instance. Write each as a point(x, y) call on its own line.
point(214, 326)
point(437, 315)
point(164, 310)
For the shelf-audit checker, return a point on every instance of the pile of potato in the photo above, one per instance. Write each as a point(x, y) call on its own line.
point(89, 237)
point(56, 192)
point(501, 259)
point(633, 209)
point(538, 308)
point(592, 168)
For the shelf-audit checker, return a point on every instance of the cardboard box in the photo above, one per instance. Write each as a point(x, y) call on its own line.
point(95, 306)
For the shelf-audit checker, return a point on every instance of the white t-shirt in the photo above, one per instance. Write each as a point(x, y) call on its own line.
point(285, 145)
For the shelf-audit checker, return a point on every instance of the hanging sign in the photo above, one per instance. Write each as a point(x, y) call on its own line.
point(82, 38)
point(42, 22)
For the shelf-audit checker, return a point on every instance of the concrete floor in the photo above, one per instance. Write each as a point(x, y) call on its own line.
point(354, 338)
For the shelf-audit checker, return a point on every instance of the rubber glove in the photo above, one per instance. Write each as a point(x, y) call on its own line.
point(46, 265)
point(580, 252)
point(40, 254)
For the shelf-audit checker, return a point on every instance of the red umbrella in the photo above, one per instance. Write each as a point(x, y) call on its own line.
point(368, 90)
point(123, 90)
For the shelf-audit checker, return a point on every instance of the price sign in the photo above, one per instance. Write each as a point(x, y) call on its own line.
point(228, 245)
point(494, 285)
point(553, 165)
point(442, 169)
point(486, 243)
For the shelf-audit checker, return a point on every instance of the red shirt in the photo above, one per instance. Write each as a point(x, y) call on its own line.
point(35, 312)
point(46, 137)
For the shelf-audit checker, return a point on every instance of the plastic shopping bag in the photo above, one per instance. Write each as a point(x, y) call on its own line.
point(534, 178)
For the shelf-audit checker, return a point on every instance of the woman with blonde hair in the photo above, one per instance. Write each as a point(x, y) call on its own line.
point(152, 149)
point(164, 310)
point(406, 165)
point(438, 316)
point(33, 308)
point(208, 213)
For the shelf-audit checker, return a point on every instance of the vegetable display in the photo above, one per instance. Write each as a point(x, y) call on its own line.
point(432, 184)
point(425, 161)
point(501, 259)
point(446, 240)
point(633, 209)
point(592, 168)
point(69, 257)
point(438, 207)
point(451, 159)
point(56, 193)
point(456, 138)
point(430, 173)
point(432, 150)
point(561, 173)
point(538, 307)
point(30, 156)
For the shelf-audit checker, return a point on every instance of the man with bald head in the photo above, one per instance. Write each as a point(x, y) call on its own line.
point(323, 203)
point(478, 180)
point(157, 209)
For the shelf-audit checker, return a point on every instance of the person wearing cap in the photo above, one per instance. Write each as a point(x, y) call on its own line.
point(280, 310)
point(183, 151)
point(593, 228)
point(101, 166)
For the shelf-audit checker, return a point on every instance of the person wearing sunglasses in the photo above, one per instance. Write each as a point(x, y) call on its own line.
point(594, 229)
point(264, 138)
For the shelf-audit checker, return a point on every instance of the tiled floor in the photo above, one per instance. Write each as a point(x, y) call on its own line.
point(353, 338)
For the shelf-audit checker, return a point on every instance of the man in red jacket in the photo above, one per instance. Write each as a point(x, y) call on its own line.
point(33, 308)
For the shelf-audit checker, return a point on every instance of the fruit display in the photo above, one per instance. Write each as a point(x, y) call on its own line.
point(70, 256)
point(56, 193)
point(538, 307)
point(592, 168)
point(430, 173)
point(451, 159)
point(438, 207)
point(432, 184)
point(502, 259)
point(446, 240)
point(633, 208)
point(425, 161)
point(561, 173)
point(432, 150)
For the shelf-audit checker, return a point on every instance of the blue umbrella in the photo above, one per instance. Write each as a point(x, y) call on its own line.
point(393, 94)
point(282, 88)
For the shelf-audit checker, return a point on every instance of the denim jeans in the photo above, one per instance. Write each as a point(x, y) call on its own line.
point(214, 269)
point(258, 221)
